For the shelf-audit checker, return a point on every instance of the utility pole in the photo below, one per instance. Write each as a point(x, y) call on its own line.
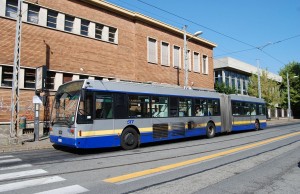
point(185, 58)
point(258, 79)
point(185, 55)
point(16, 71)
point(289, 97)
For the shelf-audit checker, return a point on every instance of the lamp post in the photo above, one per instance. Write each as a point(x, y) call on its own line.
point(289, 97)
point(258, 79)
point(185, 54)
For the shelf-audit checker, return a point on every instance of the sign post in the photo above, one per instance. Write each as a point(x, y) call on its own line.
point(36, 101)
point(39, 87)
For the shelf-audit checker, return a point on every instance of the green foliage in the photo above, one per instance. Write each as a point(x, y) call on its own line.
point(293, 69)
point(222, 88)
point(270, 89)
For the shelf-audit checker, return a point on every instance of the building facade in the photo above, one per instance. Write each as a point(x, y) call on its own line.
point(234, 73)
point(96, 40)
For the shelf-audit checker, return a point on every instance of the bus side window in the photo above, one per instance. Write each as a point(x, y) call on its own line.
point(253, 109)
point(203, 107)
point(120, 106)
point(173, 107)
point(235, 108)
point(159, 106)
point(103, 106)
point(85, 109)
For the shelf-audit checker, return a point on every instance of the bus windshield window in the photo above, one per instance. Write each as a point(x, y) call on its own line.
point(65, 104)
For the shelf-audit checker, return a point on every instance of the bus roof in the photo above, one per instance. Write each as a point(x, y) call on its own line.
point(246, 98)
point(142, 88)
point(159, 89)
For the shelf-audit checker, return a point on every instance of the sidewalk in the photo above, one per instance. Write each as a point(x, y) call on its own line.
point(45, 143)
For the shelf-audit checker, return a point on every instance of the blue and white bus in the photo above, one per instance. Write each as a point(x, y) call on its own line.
point(98, 114)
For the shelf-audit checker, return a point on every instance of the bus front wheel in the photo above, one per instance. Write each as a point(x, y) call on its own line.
point(210, 130)
point(129, 139)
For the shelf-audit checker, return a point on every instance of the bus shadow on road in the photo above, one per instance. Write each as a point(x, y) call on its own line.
point(199, 140)
point(89, 151)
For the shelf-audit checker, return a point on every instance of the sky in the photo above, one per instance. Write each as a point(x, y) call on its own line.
point(264, 32)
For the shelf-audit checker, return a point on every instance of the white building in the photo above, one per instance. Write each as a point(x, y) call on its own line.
point(236, 74)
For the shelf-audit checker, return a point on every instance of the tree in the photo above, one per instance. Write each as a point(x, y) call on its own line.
point(222, 88)
point(270, 89)
point(293, 69)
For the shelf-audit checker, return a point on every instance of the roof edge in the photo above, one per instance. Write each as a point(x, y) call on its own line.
point(138, 16)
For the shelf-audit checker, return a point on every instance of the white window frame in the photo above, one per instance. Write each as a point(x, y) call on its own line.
point(112, 34)
point(148, 51)
point(194, 64)
point(69, 20)
point(33, 11)
point(189, 60)
point(99, 31)
point(54, 17)
point(11, 13)
point(86, 25)
point(168, 53)
point(205, 64)
point(179, 56)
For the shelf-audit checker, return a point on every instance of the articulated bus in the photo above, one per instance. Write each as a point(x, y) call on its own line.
point(99, 114)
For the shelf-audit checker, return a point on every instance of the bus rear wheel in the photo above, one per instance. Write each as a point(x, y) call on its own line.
point(210, 130)
point(129, 139)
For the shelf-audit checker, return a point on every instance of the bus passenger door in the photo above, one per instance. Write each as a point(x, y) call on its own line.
point(103, 118)
point(226, 113)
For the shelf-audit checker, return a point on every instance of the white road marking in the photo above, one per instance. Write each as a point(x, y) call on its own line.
point(30, 183)
point(10, 160)
point(21, 174)
point(7, 156)
point(16, 167)
point(74, 189)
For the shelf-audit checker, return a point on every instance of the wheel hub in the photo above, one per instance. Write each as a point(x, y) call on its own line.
point(129, 139)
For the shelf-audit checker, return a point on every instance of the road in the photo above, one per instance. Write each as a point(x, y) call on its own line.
point(266, 161)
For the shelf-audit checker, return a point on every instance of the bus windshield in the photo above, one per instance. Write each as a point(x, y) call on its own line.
point(65, 103)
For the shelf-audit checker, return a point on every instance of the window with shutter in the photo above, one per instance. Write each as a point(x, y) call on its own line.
point(176, 58)
point(152, 50)
point(33, 14)
point(11, 8)
point(165, 54)
point(196, 62)
point(205, 64)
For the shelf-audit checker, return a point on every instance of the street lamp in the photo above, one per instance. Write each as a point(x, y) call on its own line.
point(185, 54)
point(289, 97)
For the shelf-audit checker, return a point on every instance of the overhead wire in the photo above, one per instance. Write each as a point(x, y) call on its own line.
point(225, 35)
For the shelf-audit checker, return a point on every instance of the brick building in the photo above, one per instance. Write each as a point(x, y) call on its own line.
point(93, 39)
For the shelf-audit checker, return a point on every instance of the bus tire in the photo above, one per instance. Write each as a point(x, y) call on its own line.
point(129, 139)
point(210, 130)
point(257, 125)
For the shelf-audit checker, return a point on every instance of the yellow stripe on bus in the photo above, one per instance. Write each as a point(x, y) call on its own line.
point(247, 122)
point(119, 131)
point(109, 132)
point(160, 169)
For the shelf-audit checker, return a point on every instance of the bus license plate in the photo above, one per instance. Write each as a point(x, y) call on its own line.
point(59, 140)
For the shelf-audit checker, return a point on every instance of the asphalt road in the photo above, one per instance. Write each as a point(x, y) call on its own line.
point(266, 161)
